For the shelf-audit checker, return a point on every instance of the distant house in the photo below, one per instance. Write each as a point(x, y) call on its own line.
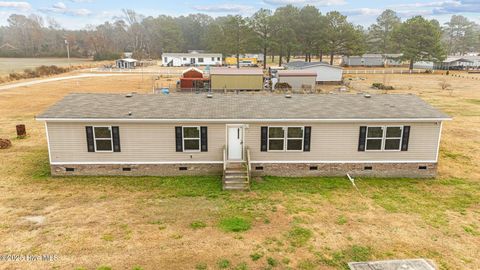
point(126, 63)
point(193, 79)
point(298, 79)
point(222, 78)
point(366, 60)
point(192, 59)
point(451, 63)
point(326, 73)
point(372, 60)
point(454, 63)
point(195, 134)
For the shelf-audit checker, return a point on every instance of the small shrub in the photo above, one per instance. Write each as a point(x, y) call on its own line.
point(471, 230)
point(235, 224)
point(445, 85)
point(282, 85)
point(256, 256)
point(198, 225)
point(272, 262)
point(104, 268)
point(381, 86)
point(299, 236)
point(137, 268)
point(341, 220)
point(223, 264)
point(201, 266)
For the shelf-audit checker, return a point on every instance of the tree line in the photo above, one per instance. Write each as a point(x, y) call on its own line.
point(278, 34)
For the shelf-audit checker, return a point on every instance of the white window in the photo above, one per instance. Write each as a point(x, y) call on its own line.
point(384, 138)
point(102, 136)
point(393, 138)
point(191, 139)
point(200, 60)
point(213, 59)
point(285, 139)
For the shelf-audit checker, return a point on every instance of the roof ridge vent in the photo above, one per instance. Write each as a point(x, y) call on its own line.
point(209, 95)
point(367, 96)
point(288, 96)
point(129, 95)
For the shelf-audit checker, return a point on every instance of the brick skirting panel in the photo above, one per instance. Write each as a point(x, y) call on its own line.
point(138, 170)
point(411, 170)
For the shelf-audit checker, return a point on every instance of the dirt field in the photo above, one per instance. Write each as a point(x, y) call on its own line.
point(187, 222)
point(8, 65)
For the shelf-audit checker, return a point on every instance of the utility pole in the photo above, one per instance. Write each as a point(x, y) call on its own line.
point(68, 53)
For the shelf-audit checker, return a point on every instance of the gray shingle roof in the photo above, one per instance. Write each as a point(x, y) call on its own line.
point(241, 106)
point(303, 64)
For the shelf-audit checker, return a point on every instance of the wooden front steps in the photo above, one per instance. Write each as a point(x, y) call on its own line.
point(236, 176)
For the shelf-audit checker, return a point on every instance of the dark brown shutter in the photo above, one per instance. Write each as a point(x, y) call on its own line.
point(361, 138)
point(178, 139)
point(204, 139)
point(405, 138)
point(90, 142)
point(116, 139)
point(264, 139)
point(306, 139)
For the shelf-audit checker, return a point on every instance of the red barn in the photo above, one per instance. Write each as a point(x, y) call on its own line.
point(192, 78)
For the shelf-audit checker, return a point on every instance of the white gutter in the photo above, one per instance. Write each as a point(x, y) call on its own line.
point(140, 120)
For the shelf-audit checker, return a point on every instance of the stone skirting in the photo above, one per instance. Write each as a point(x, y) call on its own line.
point(410, 170)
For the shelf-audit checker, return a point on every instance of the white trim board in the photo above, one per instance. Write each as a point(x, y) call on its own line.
point(438, 143)
point(253, 161)
point(243, 121)
point(48, 143)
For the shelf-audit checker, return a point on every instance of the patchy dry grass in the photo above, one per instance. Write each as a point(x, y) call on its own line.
point(174, 222)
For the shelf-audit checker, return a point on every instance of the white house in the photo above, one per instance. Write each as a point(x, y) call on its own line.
point(326, 73)
point(192, 59)
point(126, 63)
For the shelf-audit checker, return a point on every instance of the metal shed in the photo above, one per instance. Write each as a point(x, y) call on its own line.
point(236, 78)
point(326, 73)
point(298, 79)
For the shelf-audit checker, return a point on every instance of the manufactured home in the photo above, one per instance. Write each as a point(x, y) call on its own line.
point(197, 134)
point(326, 73)
point(191, 59)
point(366, 60)
point(222, 78)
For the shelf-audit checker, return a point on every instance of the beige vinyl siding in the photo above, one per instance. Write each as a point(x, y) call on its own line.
point(296, 82)
point(236, 81)
point(155, 142)
point(139, 143)
point(339, 142)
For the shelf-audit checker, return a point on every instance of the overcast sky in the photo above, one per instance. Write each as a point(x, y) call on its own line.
point(75, 14)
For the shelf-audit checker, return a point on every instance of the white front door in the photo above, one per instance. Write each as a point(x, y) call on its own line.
point(235, 143)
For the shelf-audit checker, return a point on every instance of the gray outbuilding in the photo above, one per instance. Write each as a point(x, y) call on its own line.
point(326, 73)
